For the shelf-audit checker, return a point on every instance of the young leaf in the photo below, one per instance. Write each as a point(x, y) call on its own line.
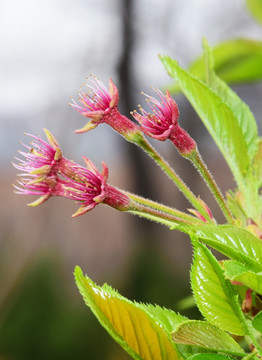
point(236, 271)
point(206, 335)
point(236, 243)
point(255, 6)
point(246, 122)
point(128, 323)
point(209, 357)
point(235, 204)
point(167, 318)
point(257, 322)
point(243, 115)
point(257, 165)
point(235, 61)
point(217, 116)
point(214, 294)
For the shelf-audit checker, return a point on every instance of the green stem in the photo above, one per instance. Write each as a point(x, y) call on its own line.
point(165, 209)
point(197, 160)
point(170, 225)
point(158, 216)
point(251, 334)
point(250, 356)
point(174, 177)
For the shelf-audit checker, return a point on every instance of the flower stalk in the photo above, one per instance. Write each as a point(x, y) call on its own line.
point(165, 209)
point(200, 165)
point(158, 216)
point(175, 178)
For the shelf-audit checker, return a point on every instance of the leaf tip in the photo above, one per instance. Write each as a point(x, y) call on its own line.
point(78, 273)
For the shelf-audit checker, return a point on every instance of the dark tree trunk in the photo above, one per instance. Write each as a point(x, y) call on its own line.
point(137, 159)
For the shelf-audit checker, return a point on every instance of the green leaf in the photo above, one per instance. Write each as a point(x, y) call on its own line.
point(206, 335)
point(217, 116)
point(214, 295)
point(257, 322)
point(236, 271)
point(246, 122)
point(235, 204)
point(252, 199)
point(167, 318)
point(209, 357)
point(255, 7)
point(257, 165)
point(235, 61)
point(134, 328)
point(244, 116)
point(236, 243)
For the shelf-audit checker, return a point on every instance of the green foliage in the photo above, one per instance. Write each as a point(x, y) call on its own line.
point(214, 294)
point(241, 273)
point(244, 117)
point(218, 117)
point(206, 335)
point(255, 7)
point(234, 242)
point(209, 357)
point(257, 322)
point(247, 124)
point(221, 110)
point(235, 61)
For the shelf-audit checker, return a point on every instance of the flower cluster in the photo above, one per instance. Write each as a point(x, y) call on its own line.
point(47, 173)
point(100, 105)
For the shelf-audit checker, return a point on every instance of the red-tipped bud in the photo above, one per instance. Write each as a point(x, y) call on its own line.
point(100, 105)
point(162, 122)
point(247, 303)
point(44, 176)
point(207, 211)
point(41, 159)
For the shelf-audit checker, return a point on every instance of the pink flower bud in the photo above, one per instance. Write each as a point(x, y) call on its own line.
point(41, 157)
point(247, 303)
point(162, 122)
point(43, 175)
point(100, 105)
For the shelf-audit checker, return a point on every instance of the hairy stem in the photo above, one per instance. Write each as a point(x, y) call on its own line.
point(165, 209)
point(174, 177)
point(198, 162)
point(158, 216)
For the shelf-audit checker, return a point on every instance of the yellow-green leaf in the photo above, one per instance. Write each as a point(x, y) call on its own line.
point(134, 328)
point(206, 335)
point(236, 271)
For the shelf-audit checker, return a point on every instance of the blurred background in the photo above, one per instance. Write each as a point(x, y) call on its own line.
point(48, 47)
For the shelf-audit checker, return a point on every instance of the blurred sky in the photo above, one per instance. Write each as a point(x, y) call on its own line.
point(49, 46)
